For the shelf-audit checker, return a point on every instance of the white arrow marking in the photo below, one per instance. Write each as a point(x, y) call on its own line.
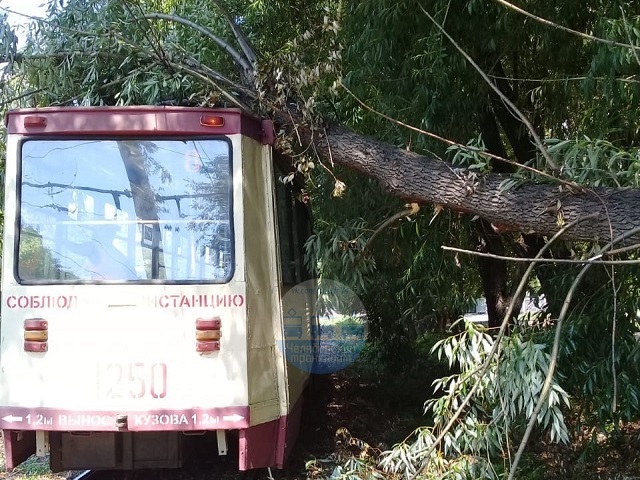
point(11, 419)
point(232, 418)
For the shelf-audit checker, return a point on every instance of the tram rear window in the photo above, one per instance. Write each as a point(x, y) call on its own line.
point(125, 210)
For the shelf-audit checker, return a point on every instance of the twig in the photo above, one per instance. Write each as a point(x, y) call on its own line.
point(412, 210)
point(614, 324)
point(567, 183)
point(64, 54)
point(497, 341)
point(595, 260)
point(566, 29)
point(192, 62)
point(566, 79)
point(20, 97)
point(505, 99)
point(148, 32)
point(329, 148)
point(226, 94)
point(142, 69)
point(618, 251)
point(295, 129)
point(556, 348)
point(55, 25)
point(626, 28)
point(25, 15)
point(318, 156)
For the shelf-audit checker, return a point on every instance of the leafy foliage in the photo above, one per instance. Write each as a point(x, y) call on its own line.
point(396, 271)
point(504, 401)
point(599, 353)
point(598, 162)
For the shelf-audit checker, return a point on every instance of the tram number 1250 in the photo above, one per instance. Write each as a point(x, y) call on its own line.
point(132, 380)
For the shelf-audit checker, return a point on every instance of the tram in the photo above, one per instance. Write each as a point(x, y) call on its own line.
point(146, 253)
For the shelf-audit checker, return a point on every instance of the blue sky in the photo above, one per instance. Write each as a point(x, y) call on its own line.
point(27, 7)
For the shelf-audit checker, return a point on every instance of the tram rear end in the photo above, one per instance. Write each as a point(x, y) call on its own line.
point(141, 289)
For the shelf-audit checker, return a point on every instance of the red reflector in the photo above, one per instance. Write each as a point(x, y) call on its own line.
point(35, 121)
point(36, 324)
point(207, 346)
point(211, 121)
point(35, 346)
point(208, 323)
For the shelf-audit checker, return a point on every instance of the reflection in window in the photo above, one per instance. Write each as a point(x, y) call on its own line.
point(120, 210)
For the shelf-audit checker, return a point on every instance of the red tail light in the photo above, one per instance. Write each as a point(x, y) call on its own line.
point(208, 334)
point(211, 121)
point(35, 121)
point(36, 335)
point(207, 346)
point(208, 323)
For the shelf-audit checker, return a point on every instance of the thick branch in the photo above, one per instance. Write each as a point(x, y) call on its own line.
point(530, 208)
point(237, 57)
point(218, 77)
point(243, 41)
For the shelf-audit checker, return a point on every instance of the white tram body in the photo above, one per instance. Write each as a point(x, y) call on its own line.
point(142, 280)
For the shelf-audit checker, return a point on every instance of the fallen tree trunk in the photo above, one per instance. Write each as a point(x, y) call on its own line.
point(530, 208)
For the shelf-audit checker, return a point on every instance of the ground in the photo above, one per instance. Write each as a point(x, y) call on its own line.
point(383, 410)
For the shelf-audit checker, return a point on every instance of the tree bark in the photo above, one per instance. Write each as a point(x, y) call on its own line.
point(493, 271)
point(530, 208)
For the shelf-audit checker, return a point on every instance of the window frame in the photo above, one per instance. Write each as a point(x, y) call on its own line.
point(115, 138)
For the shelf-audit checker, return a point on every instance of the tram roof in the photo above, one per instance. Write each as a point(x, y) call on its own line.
point(137, 121)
